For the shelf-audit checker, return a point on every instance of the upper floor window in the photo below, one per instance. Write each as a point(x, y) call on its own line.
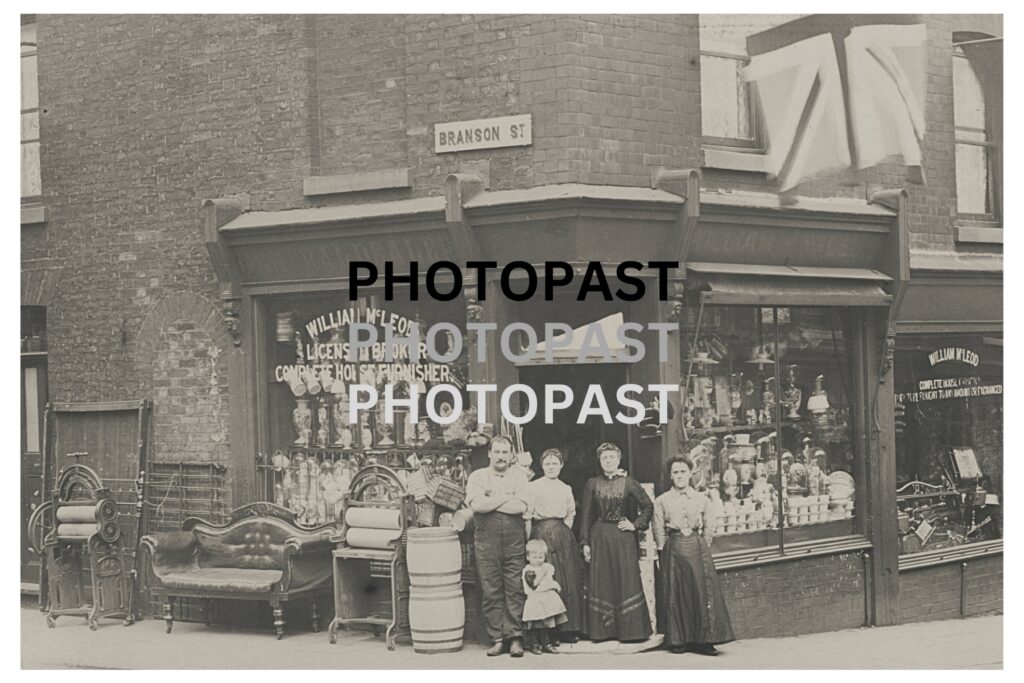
point(31, 182)
point(974, 121)
point(728, 104)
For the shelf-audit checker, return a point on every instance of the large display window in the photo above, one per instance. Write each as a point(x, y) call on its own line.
point(312, 449)
point(949, 440)
point(766, 421)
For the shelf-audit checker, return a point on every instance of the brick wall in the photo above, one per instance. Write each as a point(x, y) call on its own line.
point(791, 598)
point(189, 395)
point(611, 96)
point(142, 118)
point(933, 593)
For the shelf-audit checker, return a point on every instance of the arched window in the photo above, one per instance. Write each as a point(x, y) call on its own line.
point(977, 79)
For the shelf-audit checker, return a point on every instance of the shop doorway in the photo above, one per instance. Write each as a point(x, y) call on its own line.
point(33, 403)
point(577, 442)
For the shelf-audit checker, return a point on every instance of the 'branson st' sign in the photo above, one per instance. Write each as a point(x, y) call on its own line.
point(504, 131)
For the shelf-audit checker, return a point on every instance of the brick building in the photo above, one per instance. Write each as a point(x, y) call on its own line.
point(193, 183)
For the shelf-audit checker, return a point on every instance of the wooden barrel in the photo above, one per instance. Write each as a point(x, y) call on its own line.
point(434, 557)
point(437, 615)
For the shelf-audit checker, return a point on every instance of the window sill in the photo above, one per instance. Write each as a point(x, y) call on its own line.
point(736, 159)
point(977, 232)
point(33, 214)
point(798, 551)
point(960, 553)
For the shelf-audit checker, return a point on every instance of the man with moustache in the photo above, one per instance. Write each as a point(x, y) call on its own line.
point(494, 494)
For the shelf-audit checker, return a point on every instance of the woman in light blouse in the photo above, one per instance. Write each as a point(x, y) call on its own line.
point(691, 609)
point(550, 511)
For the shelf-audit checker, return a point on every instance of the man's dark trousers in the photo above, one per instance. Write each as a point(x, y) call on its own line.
point(500, 546)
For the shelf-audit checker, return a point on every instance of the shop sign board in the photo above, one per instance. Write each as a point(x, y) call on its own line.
point(503, 131)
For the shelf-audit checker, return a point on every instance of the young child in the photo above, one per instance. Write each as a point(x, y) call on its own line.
point(544, 609)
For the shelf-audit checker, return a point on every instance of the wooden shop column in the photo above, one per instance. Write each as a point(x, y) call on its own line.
point(650, 454)
point(494, 368)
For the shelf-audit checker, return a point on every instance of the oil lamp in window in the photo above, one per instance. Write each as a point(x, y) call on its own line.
point(818, 402)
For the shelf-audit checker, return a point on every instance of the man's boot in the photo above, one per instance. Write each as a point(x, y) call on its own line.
point(499, 648)
point(516, 648)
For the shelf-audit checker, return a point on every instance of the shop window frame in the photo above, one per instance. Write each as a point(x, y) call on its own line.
point(268, 408)
point(788, 546)
point(956, 552)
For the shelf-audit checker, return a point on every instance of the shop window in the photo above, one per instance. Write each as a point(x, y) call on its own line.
point(949, 440)
point(31, 181)
point(728, 104)
point(767, 423)
point(310, 449)
point(977, 80)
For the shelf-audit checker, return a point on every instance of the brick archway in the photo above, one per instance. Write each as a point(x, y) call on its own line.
point(178, 306)
point(181, 358)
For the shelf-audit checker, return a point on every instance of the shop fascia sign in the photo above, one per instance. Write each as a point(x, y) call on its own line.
point(503, 131)
point(953, 353)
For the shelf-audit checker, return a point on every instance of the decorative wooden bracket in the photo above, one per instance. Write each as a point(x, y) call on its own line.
point(674, 305)
point(458, 189)
point(474, 311)
point(686, 184)
point(218, 212)
point(895, 262)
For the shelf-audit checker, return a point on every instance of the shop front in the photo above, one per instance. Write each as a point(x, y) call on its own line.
point(949, 442)
point(778, 319)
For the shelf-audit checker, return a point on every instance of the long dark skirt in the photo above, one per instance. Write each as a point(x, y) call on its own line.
point(616, 606)
point(564, 556)
point(691, 609)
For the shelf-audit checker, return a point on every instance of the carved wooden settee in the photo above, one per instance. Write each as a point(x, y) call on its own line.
point(261, 554)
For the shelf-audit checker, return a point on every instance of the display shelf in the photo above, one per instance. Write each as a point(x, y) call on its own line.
point(745, 428)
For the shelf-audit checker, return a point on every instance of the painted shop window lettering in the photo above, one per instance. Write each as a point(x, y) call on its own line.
point(949, 440)
point(313, 447)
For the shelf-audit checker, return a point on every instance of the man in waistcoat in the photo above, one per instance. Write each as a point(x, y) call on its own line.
point(494, 494)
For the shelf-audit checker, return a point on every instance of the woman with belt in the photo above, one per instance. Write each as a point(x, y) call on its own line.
point(691, 609)
point(614, 509)
point(550, 511)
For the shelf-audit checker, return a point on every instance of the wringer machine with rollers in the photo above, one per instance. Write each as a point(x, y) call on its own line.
point(84, 530)
point(371, 583)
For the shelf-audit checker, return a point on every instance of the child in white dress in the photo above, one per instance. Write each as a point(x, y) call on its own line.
point(544, 609)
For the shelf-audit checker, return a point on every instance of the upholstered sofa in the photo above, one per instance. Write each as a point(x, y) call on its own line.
point(260, 554)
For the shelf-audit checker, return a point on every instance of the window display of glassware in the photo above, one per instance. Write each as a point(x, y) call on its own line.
point(765, 388)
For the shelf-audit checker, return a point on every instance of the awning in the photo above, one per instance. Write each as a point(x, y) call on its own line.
point(751, 285)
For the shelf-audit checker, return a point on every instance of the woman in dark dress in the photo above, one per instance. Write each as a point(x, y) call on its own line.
point(614, 509)
point(691, 609)
point(550, 511)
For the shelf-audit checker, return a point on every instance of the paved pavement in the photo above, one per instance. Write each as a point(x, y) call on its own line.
point(968, 643)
